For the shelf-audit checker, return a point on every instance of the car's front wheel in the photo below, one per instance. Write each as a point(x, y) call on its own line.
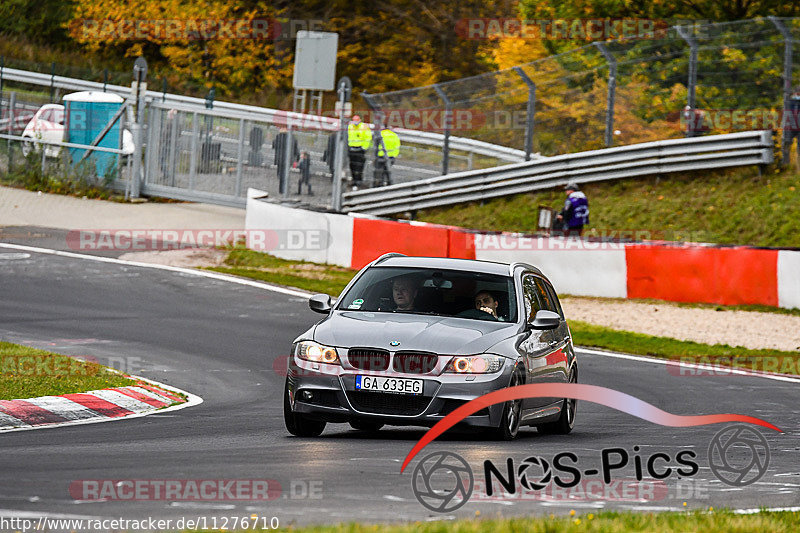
point(566, 421)
point(512, 410)
point(297, 424)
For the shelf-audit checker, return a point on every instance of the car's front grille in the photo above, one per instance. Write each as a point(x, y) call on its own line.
point(414, 362)
point(388, 404)
point(370, 359)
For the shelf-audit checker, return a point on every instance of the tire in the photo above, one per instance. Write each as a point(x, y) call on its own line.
point(297, 424)
point(509, 422)
point(566, 421)
point(363, 425)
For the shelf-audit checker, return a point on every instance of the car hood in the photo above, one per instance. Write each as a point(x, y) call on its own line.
point(442, 335)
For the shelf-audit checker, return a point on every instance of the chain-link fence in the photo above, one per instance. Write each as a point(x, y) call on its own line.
point(733, 76)
point(198, 150)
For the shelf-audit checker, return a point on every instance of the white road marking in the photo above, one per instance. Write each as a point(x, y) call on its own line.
point(190, 271)
point(696, 366)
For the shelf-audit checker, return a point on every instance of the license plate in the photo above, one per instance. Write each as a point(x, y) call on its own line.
point(395, 385)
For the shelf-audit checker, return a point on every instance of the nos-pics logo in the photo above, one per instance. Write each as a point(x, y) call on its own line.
point(443, 481)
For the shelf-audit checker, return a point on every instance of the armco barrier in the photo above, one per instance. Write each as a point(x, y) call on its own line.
point(665, 271)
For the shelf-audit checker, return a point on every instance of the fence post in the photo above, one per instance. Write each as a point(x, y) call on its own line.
point(787, 88)
point(612, 91)
point(140, 89)
point(447, 120)
point(692, 82)
point(288, 155)
point(2, 68)
point(52, 82)
point(12, 102)
point(344, 89)
point(240, 157)
point(193, 156)
point(377, 141)
point(530, 112)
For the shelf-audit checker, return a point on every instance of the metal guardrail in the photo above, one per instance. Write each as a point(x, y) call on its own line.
point(674, 155)
point(249, 112)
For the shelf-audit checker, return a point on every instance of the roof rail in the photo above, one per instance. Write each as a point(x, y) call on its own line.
point(387, 256)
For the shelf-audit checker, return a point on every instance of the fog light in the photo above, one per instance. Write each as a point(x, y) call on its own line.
point(307, 395)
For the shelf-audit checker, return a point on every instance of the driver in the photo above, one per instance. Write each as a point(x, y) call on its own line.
point(484, 301)
point(404, 291)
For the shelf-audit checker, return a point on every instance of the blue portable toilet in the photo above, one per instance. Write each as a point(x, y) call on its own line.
point(89, 113)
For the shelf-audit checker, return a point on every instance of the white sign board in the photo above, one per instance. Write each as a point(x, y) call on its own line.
point(315, 60)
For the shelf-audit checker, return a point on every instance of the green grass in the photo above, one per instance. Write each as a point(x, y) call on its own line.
point(726, 207)
point(29, 372)
point(606, 522)
point(301, 274)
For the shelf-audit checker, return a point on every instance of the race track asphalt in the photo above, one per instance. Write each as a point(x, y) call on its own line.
point(221, 341)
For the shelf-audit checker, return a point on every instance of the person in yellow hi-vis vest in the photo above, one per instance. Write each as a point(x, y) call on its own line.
point(388, 149)
point(359, 139)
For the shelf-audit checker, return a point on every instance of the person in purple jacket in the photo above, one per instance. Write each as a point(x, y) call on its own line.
point(575, 214)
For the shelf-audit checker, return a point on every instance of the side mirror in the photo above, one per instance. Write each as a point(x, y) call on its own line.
point(545, 320)
point(321, 303)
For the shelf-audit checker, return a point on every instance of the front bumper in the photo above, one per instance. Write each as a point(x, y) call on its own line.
point(328, 393)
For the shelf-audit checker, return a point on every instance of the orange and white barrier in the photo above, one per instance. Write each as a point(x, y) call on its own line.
point(665, 271)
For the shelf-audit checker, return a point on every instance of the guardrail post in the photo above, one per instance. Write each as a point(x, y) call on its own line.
point(787, 87)
point(692, 81)
point(530, 112)
point(612, 91)
point(2, 68)
point(447, 121)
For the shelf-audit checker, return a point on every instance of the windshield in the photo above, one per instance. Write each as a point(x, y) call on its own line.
point(438, 292)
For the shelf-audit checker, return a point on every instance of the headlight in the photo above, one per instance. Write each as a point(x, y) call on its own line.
point(475, 364)
point(312, 351)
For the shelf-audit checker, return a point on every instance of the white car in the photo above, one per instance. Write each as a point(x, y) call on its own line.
point(48, 125)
